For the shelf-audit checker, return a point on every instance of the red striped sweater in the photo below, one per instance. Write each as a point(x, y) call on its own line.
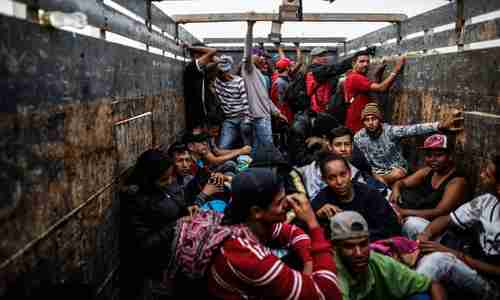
point(245, 269)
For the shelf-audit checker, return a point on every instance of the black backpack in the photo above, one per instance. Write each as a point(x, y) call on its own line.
point(337, 105)
point(296, 94)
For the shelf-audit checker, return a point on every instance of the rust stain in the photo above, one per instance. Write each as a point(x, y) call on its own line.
point(488, 30)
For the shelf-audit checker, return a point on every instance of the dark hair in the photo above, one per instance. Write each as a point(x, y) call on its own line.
point(252, 187)
point(360, 53)
point(339, 132)
point(176, 148)
point(325, 158)
point(323, 123)
point(149, 167)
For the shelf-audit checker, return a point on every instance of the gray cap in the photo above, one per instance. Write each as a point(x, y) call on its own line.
point(348, 225)
point(225, 63)
point(318, 51)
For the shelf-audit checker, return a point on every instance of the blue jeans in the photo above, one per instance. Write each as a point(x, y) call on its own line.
point(420, 296)
point(232, 129)
point(454, 273)
point(263, 132)
point(413, 226)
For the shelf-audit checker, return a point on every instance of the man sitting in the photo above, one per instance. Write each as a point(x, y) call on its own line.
point(380, 142)
point(369, 275)
point(342, 194)
point(477, 273)
point(432, 191)
point(339, 142)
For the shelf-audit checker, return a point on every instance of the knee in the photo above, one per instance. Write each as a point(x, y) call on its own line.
point(413, 226)
point(436, 265)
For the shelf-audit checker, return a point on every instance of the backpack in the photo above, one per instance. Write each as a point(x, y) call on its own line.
point(337, 105)
point(296, 94)
point(195, 241)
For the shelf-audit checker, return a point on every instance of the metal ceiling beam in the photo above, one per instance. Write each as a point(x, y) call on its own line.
point(307, 17)
point(283, 40)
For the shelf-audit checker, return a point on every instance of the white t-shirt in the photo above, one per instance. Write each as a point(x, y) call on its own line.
point(482, 213)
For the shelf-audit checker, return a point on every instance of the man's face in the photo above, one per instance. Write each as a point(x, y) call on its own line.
point(338, 177)
point(277, 210)
point(183, 163)
point(437, 159)
point(355, 254)
point(342, 146)
point(372, 124)
point(320, 59)
point(199, 148)
point(487, 175)
point(361, 64)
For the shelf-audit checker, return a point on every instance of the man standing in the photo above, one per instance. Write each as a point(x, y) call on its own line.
point(380, 142)
point(195, 89)
point(473, 275)
point(367, 275)
point(261, 106)
point(233, 96)
point(321, 80)
point(357, 86)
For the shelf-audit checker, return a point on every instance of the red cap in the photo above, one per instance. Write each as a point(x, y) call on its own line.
point(283, 63)
point(436, 141)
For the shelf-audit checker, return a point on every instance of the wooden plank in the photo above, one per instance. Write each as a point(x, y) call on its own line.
point(283, 40)
point(443, 15)
point(158, 18)
point(273, 49)
point(307, 17)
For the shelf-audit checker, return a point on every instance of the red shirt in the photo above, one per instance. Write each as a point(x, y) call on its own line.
point(320, 94)
point(356, 88)
point(244, 268)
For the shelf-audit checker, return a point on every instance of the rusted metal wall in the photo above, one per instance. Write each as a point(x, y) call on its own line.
point(75, 113)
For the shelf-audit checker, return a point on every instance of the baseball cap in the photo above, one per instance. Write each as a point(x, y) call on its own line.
point(225, 63)
point(348, 225)
point(436, 141)
point(318, 51)
point(283, 63)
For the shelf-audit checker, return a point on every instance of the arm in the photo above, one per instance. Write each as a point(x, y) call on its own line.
point(293, 237)
point(411, 181)
point(217, 160)
point(435, 228)
point(397, 132)
point(280, 51)
point(300, 59)
point(248, 64)
point(386, 84)
point(452, 198)
point(206, 58)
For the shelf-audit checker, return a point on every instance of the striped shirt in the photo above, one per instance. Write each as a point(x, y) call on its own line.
point(233, 97)
point(246, 269)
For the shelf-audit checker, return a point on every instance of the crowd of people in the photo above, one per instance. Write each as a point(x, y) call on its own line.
point(288, 184)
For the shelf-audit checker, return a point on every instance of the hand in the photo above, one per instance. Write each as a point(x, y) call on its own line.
point(423, 237)
point(245, 150)
point(453, 122)
point(282, 117)
point(217, 178)
point(193, 210)
point(308, 268)
point(395, 195)
point(400, 64)
point(328, 210)
point(302, 208)
point(430, 247)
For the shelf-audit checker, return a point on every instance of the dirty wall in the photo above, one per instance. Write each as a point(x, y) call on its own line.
point(76, 111)
point(448, 68)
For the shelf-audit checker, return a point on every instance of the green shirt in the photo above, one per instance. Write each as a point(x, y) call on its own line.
point(386, 279)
